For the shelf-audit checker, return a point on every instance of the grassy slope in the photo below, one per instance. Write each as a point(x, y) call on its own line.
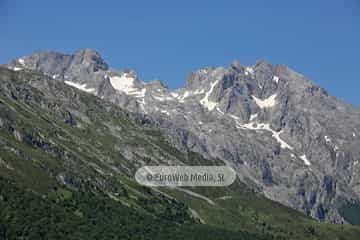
point(239, 209)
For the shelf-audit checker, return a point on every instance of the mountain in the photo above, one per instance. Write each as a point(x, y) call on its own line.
point(284, 135)
point(67, 161)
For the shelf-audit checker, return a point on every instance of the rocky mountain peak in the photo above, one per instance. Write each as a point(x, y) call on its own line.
point(263, 64)
point(87, 52)
point(90, 57)
point(157, 84)
point(236, 65)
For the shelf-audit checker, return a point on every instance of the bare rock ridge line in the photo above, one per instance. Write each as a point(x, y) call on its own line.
point(283, 134)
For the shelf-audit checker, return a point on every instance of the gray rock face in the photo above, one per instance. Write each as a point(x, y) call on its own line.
point(284, 134)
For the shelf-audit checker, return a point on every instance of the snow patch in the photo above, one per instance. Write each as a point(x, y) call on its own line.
point(21, 61)
point(142, 105)
point(234, 117)
point(249, 70)
point(81, 87)
point(175, 95)
point(283, 144)
point(327, 139)
point(276, 79)
point(219, 110)
point(210, 105)
point(306, 161)
point(253, 116)
point(125, 83)
point(203, 71)
point(165, 112)
point(266, 127)
point(141, 93)
point(17, 69)
point(187, 94)
point(266, 103)
point(162, 98)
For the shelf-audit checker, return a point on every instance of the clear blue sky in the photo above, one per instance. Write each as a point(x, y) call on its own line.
point(166, 39)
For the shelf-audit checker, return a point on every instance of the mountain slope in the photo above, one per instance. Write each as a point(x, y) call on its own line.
point(285, 136)
point(67, 160)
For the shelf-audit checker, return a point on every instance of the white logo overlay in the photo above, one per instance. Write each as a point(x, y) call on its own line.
point(177, 176)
